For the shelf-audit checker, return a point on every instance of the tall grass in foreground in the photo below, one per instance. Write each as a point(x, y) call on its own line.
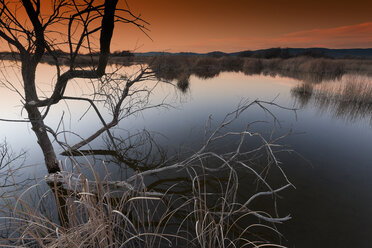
point(103, 213)
point(107, 218)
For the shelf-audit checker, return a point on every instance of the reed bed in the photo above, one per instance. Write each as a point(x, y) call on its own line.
point(306, 69)
point(349, 97)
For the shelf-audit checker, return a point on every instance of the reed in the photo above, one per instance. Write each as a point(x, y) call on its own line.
point(307, 69)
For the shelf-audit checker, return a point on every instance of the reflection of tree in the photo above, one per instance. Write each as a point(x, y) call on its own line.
point(138, 152)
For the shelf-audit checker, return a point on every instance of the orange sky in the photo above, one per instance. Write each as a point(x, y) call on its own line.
point(234, 25)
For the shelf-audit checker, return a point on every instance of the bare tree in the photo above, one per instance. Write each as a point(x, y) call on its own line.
point(72, 26)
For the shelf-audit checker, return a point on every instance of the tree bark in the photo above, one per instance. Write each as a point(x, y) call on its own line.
point(34, 115)
point(43, 140)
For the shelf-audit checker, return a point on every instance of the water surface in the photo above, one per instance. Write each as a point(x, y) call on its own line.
point(331, 168)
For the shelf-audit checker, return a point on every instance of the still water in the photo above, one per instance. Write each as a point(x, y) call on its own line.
point(331, 166)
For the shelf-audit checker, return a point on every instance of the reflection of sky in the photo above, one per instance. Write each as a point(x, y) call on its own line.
point(216, 97)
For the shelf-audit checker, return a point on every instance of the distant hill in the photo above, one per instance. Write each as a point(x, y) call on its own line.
point(365, 53)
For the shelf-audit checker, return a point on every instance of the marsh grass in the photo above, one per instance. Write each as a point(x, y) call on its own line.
point(303, 92)
point(306, 69)
point(140, 218)
point(349, 98)
point(183, 82)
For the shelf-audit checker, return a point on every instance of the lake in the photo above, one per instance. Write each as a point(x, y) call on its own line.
point(331, 166)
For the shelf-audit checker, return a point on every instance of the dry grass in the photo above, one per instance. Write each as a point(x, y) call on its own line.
point(138, 219)
point(183, 82)
point(306, 69)
point(303, 89)
point(252, 66)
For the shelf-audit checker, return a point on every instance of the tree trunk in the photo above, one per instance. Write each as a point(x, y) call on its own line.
point(43, 139)
point(34, 115)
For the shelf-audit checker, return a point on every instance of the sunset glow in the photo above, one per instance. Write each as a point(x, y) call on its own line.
point(219, 25)
point(202, 26)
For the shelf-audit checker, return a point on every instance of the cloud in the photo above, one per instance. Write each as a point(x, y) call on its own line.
point(351, 36)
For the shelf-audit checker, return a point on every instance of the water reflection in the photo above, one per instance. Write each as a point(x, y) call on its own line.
point(323, 83)
point(341, 152)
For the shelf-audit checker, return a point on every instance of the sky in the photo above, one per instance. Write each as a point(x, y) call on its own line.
point(234, 25)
